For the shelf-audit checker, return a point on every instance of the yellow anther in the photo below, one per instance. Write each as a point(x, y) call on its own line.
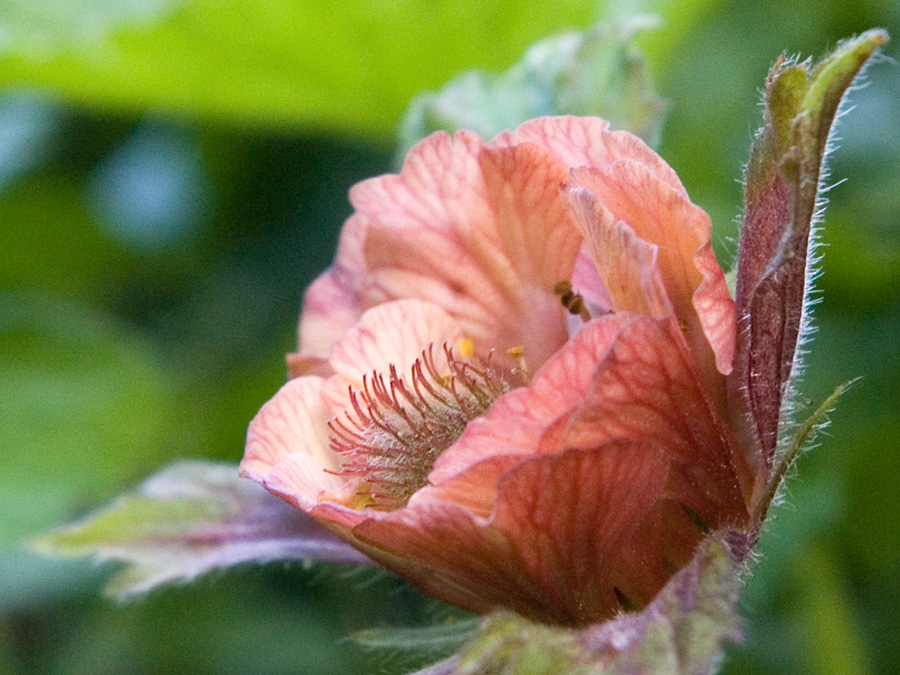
point(518, 352)
point(466, 348)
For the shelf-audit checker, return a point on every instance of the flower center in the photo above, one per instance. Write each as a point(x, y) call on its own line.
point(393, 432)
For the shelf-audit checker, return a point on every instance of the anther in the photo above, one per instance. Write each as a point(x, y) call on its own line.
point(571, 300)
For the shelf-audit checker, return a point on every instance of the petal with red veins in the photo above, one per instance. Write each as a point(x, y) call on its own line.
point(518, 421)
point(415, 219)
point(483, 233)
point(589, 500)
point(300, 479)
point(331, 304)
point(587, 141)
point(330, 308)
point(626, 263)
point(473, 488)
point(648, 387)
point(547, 551)
point(394, 333)
point(664, 216)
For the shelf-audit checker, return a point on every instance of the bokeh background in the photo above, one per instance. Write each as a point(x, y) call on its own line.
point(173, 173)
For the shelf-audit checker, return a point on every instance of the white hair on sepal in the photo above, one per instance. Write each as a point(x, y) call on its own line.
point(791, 405)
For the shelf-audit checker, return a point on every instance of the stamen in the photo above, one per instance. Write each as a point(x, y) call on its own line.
point(392, 432)
point(466, 348)
point(571, 300)
point(518, 352)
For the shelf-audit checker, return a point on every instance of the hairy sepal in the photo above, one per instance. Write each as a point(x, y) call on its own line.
point(783, 199)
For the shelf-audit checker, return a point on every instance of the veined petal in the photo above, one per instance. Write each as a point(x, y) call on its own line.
point(647, 387)
point(518, 421)
point(588, 142)
point(626, 263)
point(694, 281)
point(593, 500)
point(331, 304)
point(474, 488)
point(301, 480)
point(521, 558)
point(481, 232)
point(330, 308)
point(392, 334)
point(292, 427)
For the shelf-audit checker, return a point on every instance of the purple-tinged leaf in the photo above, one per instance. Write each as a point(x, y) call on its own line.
point(782, 195)
point(192, 518)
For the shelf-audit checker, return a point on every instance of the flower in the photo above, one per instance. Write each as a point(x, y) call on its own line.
point(511, 384)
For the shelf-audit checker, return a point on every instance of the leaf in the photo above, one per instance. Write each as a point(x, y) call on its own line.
point(595, 72)
point(799, 438)
point(346, 67)
point(74, 383)
point(429, 639)
point(782, 194)
point(682, 632)
point(189, 519)
point(41, 28)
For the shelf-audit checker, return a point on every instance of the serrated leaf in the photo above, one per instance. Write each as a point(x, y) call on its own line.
point(189, 519)
point(798, 439)
point(595, 72)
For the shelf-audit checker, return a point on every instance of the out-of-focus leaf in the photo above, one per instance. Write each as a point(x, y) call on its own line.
point(192, 518)
point(837, 642)
point(83, 404)
point(26, 124)
point(347, 66)
point(152, 191)
point(42, 28)
point(682, 632)
point(595, 72)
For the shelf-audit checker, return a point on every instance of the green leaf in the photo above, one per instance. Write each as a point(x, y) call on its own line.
point(595, 72)
point(348, 67)
point(84, 404)
point(798, 438)
point(189, 519)
point(429, 639)
point(41, 28)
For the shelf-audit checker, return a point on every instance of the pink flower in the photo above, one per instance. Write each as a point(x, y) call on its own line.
point(510, 388)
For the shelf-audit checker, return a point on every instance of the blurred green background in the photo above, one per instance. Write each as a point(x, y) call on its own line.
point(174, 172)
